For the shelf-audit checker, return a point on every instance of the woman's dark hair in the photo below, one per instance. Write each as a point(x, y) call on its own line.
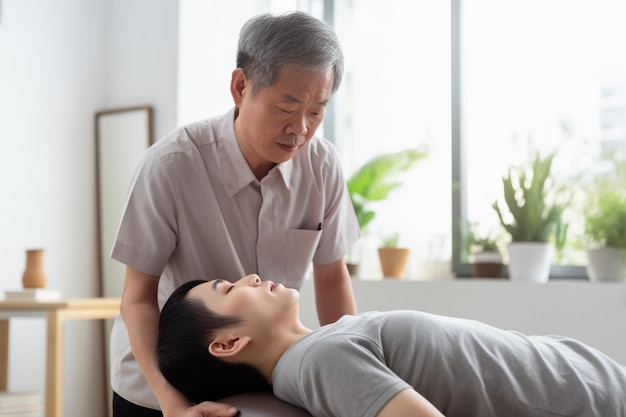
point(186, 329)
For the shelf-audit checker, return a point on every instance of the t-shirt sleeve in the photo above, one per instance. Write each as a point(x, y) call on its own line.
point(348, 379)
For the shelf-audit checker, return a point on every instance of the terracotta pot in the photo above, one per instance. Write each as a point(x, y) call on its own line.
point(487, 270)
point(487, 265)
point(393, 261)
point(34, 273)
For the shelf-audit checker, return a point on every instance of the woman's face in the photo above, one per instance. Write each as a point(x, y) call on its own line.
point(258, 303)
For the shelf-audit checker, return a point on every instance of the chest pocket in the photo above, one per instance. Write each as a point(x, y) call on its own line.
point(301, 247)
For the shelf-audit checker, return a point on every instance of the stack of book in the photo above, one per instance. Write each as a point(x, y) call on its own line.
point(33, 294)
point(20, 404)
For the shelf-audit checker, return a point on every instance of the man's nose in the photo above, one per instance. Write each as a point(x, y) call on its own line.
point(297, 126)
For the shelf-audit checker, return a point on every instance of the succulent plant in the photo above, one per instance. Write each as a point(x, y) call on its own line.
point(527, 197)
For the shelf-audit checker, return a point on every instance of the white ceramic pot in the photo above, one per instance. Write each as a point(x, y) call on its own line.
point(606, 264)
point(530, 261)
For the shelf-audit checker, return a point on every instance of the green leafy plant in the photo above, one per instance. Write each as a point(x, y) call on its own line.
point(476, 243)
point(605, 223)
point(391, 240)
point(560, 238)
point(377, 178)
point(527, 195)
point(605, 212)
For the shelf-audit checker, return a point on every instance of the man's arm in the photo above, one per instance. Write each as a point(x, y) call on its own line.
point(333, 291)
point(140, 311)
point(409, 403)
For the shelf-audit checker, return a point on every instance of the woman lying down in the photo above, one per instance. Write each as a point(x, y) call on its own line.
point(218, 338)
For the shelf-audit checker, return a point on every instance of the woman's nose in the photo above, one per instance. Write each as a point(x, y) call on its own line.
point(253, 279)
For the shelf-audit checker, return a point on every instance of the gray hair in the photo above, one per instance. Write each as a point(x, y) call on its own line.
point(268, 44)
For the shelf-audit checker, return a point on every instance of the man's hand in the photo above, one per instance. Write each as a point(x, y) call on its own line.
point(141, 316)
point(210, 409)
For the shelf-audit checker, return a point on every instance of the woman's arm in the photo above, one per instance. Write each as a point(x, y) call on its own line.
point(140, 311)
point(409, 403)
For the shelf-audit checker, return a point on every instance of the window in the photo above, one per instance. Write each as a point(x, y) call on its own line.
point(396, 95)
point(537, 75)
point(480, 83)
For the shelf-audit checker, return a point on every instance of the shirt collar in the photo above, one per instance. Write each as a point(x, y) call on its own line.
point(236, 173)
point(285, 169)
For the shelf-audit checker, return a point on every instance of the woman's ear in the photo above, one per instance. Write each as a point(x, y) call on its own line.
point(223, 348)
point(238, 85)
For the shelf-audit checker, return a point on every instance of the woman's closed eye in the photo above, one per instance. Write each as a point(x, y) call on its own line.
point(219, 284)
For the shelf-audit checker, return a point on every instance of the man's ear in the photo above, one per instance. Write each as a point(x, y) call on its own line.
point(238, 85)
point(227, 347)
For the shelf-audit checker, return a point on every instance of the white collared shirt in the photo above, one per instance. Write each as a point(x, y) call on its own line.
point(195, 210)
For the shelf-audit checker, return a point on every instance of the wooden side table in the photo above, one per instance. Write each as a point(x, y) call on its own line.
point(56, 313)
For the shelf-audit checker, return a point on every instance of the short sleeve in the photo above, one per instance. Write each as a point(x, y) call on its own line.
point(340, 229)
point(147, 233)
point(347, 378)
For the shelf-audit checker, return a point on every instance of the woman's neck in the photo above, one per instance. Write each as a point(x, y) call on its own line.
point(269, 354)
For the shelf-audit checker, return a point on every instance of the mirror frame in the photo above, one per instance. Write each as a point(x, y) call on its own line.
point(121, 137)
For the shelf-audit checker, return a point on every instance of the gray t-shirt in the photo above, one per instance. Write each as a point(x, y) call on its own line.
point(464, 368)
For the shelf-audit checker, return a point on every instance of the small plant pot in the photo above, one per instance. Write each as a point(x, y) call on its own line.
point(393, 261)
point(530, 261)
point(606, 264)
point(487, 270)
point(487, 265)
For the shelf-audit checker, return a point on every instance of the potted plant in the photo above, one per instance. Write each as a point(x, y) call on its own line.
point(373, 182)
point(484, 253)
point(605, 227)
point(376, 179)
point(533, 211)
point(393, 259)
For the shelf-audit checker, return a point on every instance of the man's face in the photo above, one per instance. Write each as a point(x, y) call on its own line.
point(261, 304)
point(277, 121)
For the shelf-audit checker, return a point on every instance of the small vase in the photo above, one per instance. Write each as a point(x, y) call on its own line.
point(34, 273)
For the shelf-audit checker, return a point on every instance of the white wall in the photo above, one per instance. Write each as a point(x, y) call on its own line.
point(60, 62)
point(204, 77)
point(591, 312)
point(143, 58)
point(207, 52)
